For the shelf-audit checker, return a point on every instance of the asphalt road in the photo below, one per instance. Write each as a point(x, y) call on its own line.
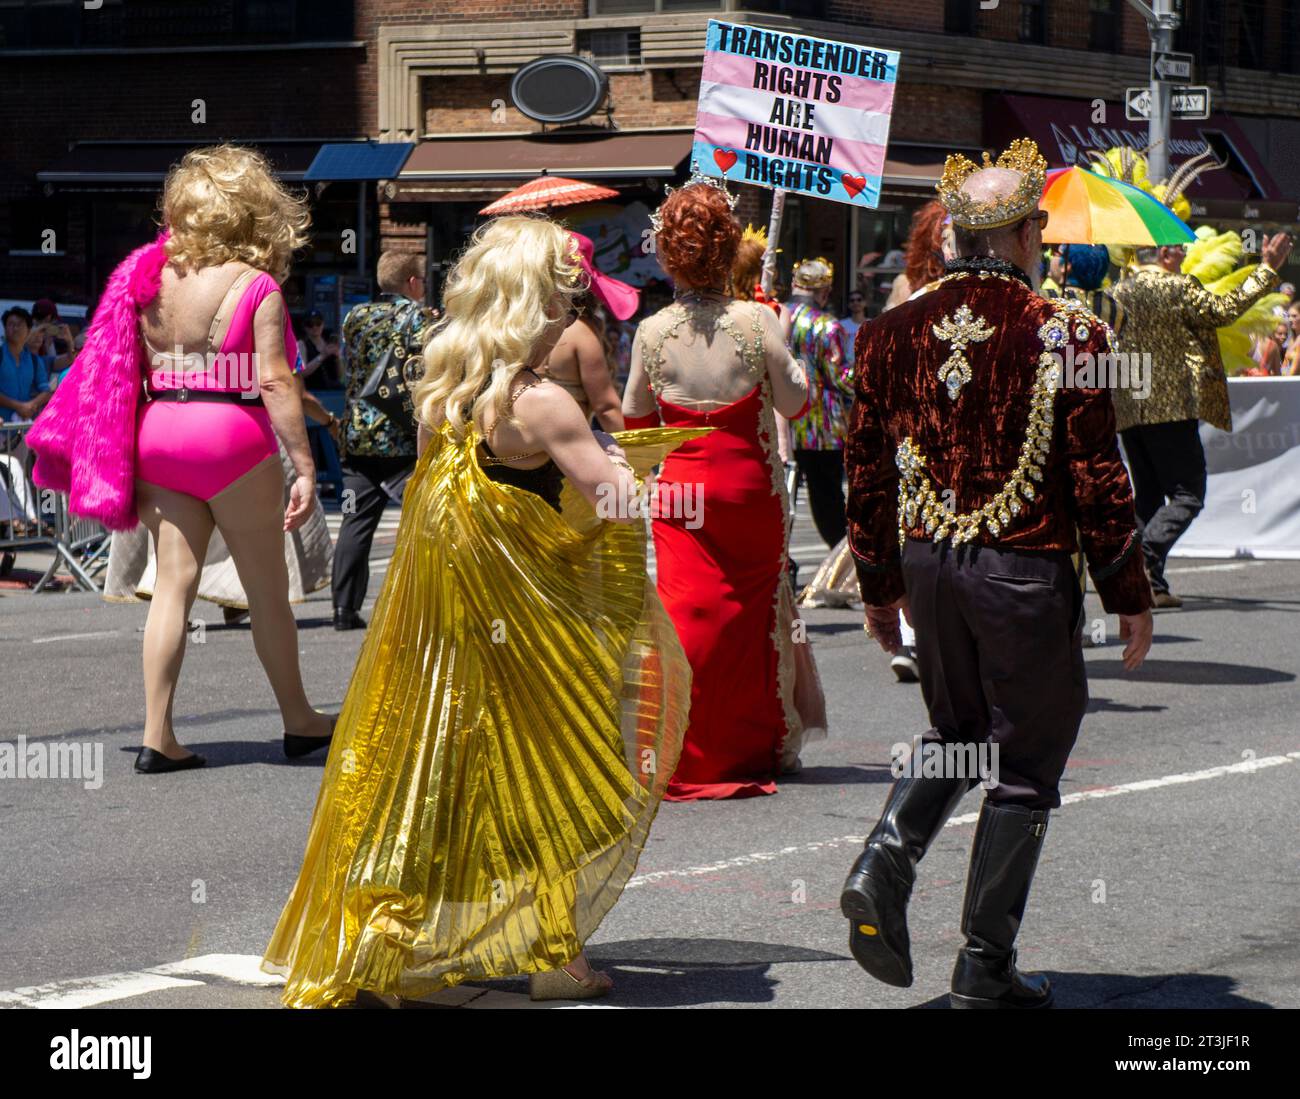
point(1174, 885)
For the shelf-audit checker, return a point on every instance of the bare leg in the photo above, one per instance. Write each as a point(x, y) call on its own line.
point(250, 516)
point(181, 526)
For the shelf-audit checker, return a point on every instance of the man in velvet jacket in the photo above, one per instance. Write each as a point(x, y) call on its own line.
point(977, 466)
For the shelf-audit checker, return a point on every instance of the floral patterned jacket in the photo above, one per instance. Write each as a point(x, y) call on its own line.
point(368, 331)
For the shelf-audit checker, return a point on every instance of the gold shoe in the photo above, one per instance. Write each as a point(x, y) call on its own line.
point(560, 984)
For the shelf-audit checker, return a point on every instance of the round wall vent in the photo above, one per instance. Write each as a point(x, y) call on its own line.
point(559, 88)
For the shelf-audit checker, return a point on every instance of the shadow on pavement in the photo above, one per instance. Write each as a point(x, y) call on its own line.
point(1193, 672)
point(681, 972)
point(238, 753)
point(1159, 990)
point(1105, 705)
point(839, 776)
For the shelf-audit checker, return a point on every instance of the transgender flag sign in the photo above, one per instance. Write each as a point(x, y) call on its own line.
point(794, 113)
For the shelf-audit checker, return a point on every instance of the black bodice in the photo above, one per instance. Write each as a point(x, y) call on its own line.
point(544, 481)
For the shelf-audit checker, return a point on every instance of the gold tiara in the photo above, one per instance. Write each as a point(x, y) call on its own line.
point(813, 274)
point(758, 236)
point(1023, 157)
point(656, 219)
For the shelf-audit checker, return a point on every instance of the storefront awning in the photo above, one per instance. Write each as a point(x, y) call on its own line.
point(915, 167)
point(602, 156)
point(144, 165)
point(358, 161)
point(1066, 133)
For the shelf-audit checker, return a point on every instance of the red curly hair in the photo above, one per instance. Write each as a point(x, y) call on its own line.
point(925, 245)
point(697, 243)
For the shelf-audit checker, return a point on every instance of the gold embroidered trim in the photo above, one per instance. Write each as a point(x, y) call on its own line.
point(751, 355)
point(917, 500)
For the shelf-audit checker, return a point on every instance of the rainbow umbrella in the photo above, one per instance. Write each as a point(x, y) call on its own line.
point(1087, 208)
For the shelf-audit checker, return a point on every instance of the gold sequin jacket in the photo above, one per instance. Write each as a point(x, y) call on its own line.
point(1172, 318)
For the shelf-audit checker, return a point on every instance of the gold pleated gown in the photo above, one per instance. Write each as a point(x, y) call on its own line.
point(515, 715)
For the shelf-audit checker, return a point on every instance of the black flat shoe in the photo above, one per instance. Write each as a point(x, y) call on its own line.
point(297, 746)
point(149, 762)
point(347, 619)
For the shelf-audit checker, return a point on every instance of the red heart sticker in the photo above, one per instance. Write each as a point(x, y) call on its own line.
point(724, 159)
point(853, 184)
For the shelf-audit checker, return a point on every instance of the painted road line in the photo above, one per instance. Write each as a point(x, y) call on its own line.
point(1244, 767)
point(74, 637)
point(244, 969)
point(91, 991)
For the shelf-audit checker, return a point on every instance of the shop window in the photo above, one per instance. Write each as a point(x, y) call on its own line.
point(646, 7)
point(1289, 58)
point(1250, 35)
point(1033, 21)
point(620, 46)
point(959, 16)
point(808, 9)
point(1103, 25)
point(38, 226)
point(64, 24)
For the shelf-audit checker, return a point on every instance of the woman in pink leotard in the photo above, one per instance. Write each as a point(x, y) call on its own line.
point(219, 390)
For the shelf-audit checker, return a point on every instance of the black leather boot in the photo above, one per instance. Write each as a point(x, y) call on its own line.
point(877, 890)
point(1004, 856)
point(345, 618)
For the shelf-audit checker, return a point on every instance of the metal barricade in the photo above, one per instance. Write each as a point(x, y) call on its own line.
point(34, 519)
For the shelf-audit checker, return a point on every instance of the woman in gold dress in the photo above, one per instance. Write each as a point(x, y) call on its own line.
point(518, 706)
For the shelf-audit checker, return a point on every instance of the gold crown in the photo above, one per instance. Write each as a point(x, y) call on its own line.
point(759, 236)
point(1023, 157)
point(813, 274)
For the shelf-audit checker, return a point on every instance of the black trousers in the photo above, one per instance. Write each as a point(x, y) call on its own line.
point(363, 505)
point(823, 473)
point(1167, 463)
point(999, 648)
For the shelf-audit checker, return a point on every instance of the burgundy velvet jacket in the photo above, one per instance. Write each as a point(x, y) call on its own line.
point(972, 445)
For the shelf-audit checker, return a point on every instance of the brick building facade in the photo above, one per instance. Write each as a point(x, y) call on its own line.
point(97, 103)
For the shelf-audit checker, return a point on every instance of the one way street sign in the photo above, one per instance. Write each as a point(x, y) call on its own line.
point(1171, 66)
point(1193, 102)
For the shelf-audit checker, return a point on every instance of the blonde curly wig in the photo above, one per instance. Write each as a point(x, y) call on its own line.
point(496, 304)
point(222, 203)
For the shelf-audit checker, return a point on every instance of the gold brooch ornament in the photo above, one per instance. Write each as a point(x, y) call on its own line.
point(960, 330)
point(919, 503)
point(1022, 156)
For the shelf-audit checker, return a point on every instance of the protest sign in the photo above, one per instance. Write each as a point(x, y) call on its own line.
point(795, 113)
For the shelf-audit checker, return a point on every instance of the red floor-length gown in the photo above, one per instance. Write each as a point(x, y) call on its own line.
point(724, 583)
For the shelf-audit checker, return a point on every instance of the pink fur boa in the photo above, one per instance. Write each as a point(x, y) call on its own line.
point(84, 438)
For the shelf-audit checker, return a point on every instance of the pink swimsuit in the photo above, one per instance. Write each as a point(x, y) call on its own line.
point(202, 447)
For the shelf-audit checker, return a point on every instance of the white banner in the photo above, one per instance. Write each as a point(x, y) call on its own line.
point(1252, 506)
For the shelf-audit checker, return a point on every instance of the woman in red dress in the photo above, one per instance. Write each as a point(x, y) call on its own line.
point(721, 511)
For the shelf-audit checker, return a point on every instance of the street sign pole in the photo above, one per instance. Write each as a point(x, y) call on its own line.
point(1162, 21)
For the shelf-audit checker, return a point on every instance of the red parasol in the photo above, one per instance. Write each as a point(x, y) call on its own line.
point(547, 191)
